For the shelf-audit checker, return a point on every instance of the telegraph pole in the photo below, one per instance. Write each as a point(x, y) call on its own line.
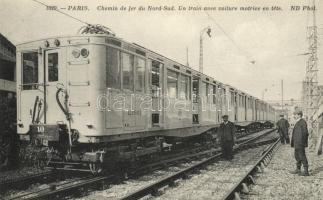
point(311, 81)
point(208, 31)
point(187, 63)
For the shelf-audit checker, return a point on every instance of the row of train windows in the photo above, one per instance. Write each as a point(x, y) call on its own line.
point(133, 70)
point(178, 85)
point(133, 75)
point(30, 69)
point(210, 92)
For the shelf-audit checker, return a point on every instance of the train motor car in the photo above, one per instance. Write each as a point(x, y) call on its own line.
point(99, 101)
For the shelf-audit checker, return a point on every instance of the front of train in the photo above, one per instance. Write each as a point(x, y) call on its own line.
point(55, 99)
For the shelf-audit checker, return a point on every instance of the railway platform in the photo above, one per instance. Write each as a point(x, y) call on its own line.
point(276, 182)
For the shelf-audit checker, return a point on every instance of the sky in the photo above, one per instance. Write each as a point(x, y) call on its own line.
point(250, 50)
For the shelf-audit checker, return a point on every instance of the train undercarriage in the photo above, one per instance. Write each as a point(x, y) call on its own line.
point(51, 149)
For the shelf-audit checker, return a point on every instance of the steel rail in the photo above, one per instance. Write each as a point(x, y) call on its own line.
point(63, 189)
point(243, 144)
point(24, 180)
point(247, 179)
point(153, 188)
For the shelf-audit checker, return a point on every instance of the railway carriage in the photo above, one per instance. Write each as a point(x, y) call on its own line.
point(99, 101)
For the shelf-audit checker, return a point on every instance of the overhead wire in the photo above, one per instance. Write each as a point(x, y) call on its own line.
point(89, 28)
point(57, 10)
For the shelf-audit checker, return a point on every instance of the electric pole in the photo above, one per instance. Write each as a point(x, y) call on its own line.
point(208, 31)
point(310, 92)
point(187, 63)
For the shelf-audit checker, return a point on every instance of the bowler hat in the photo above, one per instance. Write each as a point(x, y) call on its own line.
point(225, 116)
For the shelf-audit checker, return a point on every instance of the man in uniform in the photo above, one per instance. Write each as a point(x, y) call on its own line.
point(283, 126)
point(226, 133)
point(299, 142)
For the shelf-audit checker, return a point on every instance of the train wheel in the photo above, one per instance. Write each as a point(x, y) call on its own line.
point(96, 168)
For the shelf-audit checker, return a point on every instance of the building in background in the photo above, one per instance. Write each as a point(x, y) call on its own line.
point(7, 67)
point(7, 103)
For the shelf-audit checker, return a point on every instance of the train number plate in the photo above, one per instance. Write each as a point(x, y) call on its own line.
point(45, 132)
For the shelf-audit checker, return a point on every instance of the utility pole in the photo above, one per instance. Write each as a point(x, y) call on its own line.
point(208, 31)
point(310, 92)
point(187, 63)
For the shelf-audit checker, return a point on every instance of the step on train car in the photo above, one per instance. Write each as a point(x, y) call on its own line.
point(96, 100)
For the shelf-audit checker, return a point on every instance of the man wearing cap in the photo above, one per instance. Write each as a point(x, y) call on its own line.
point(299, 142)
point(282, 126)
point(226, 133)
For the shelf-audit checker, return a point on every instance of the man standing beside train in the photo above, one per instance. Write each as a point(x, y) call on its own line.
point(282, 126)
point(299, 142)
point(226, 133)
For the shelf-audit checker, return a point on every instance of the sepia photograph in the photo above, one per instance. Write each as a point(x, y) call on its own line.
point(161, 99)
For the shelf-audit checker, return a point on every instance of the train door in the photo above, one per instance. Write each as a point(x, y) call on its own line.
point(130, 111)
point(140, 89)
point(52, 81)
point(196, 100)
point(30, 90)
point(156, 90)
point(114, 111)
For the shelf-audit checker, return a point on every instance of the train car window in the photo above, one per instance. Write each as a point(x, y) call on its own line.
point(155, 119)
point(185, 87)
point(127, 71)
point(206, 89)
point(140, 75)
point(172, 84)
point(155, 73)
point(243, 101)
point(30, 70)
point(232, 98)
point(195, 118)
point(113, 79)
point(53, 67)
point(156, 68)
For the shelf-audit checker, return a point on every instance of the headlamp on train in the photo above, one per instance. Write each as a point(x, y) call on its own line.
point(46, 43)
point(85, 53)
point(76, 53)
point(57, 42)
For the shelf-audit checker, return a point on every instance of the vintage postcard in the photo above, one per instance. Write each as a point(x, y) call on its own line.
point(161, 99)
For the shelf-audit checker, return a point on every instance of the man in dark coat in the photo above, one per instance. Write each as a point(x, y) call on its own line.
point(282, 126)
point(226, 133)
point(299, 142)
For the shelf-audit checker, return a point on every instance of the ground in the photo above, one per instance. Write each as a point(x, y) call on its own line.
point(277, 183)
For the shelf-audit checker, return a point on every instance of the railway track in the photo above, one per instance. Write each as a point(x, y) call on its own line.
point(243, 142)
point(57, 191)
point(241, 187)
point(170, 180)
point(23, 181)
point(88, 183)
